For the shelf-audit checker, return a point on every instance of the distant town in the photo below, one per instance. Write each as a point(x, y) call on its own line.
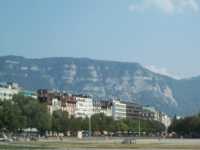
point(85, 106)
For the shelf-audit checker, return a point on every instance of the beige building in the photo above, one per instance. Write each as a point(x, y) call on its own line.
point(69, 104)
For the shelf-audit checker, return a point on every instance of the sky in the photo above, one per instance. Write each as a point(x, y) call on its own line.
point(163, 35)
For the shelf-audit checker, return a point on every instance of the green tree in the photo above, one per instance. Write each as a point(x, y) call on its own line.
point(34, 113)
point(99, 122)
point(11, 116)
point(75, 125)
point(60, 121)
point(120, 125)
point(42, 119)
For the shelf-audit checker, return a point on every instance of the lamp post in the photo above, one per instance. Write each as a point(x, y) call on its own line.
point(90, 126)
point(139, 124)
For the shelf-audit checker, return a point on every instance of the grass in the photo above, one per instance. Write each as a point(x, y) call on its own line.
point(21, 147)
point(67, 145)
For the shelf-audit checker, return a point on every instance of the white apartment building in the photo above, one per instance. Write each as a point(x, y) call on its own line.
point(8, 90)
point(84, 106)
point(157, 116)
point(118, 110)
point(55, 105)
point(102, 106)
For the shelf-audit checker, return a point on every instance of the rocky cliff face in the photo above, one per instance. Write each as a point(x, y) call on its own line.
point(103, 79)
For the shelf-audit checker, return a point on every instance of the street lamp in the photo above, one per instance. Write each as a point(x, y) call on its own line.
point(139, 125)
point(90, 126)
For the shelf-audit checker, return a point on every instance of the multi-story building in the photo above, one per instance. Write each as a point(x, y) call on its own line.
point(43, 95)
point(147, 115)
point(156, 115)
point(7, 90)
point(68, 104)
point(84, 106)
point(133, 110)
point(102, 106)
point(52, 99)
point(150, 113)
point(118, 110)
point(55, 105)
point(58, 101)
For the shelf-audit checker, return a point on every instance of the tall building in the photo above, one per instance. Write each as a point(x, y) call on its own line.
point(68, 103)
point(84, 106)
point(51, 98)
point(43, 95)
point(7, 90)
point(156, 115)
point(102, 106)
point(118, 110)
point(55, 105)
point(133, 110)
point(147, 115)
point(150, 113)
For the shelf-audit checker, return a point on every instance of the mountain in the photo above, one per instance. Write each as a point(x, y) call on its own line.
point(104, 79)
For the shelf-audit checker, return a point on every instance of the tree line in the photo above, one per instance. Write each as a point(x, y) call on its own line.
point(25, 112)
point(186, 127)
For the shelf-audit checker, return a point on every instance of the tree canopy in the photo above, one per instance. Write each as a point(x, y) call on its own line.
point(25, 112)
point(188, 126)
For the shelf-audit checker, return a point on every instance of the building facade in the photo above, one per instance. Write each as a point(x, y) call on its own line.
point(102, 106)
point(150, 113)
point(118, 110)
point(133, 110)
point(68, 104)
point(55, 106)
point(8, 90)
point(84, 106)
point(43, 95)
point(147, 115)
point(156, 115)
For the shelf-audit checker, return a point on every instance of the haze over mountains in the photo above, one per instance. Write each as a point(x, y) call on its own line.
point(104, 79)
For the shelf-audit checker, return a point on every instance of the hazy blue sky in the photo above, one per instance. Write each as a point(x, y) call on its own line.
point(162, 33)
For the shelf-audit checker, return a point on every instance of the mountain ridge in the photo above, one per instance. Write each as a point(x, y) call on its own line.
point(104, 79)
